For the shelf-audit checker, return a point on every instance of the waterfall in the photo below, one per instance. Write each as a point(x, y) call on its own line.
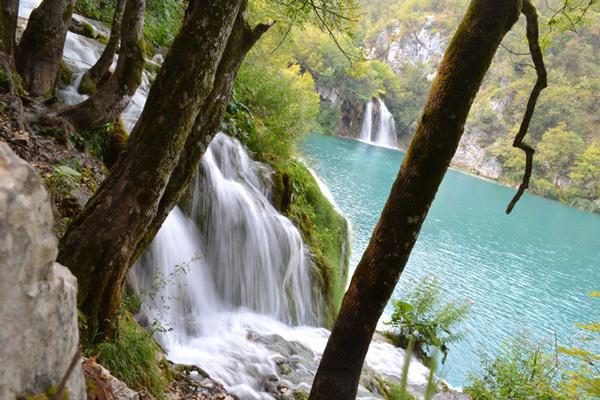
point(269, 271)
point(384, 134)
point(367, 125)
point(227, 277)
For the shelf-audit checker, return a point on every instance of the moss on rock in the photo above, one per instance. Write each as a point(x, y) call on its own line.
point(296, 194)
point(87, 85)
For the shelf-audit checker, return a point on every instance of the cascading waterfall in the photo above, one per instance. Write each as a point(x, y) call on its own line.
point(223, 287)
point(268, 267)
point(384, 133)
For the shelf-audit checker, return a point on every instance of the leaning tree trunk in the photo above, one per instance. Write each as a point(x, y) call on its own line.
point(40, 50)
point(100, 243)
point(114, 95)
point(100, 71)
point(459, 77)
point(208, 121)
point(8, 25)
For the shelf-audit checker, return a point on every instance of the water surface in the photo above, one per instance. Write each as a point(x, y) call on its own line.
point(530, 271)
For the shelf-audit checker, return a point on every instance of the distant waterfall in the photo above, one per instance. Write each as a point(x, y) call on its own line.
point(384, 133)
point(367, 125)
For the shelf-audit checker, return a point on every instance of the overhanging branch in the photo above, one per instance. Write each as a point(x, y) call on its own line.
point(530, 13)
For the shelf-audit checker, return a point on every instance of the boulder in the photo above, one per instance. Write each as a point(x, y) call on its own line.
point(38, 317)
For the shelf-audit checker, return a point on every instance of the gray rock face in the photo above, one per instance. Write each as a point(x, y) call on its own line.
point(38, 317)
point(472, 156)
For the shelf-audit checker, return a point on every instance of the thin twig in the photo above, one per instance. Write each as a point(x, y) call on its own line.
point(530, 13)
point(63, 382)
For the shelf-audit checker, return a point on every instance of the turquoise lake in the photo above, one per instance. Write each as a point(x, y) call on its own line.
point(528, 271)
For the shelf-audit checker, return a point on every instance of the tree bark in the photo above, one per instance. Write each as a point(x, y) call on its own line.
point(99, 245)
point(114, 95)
point(40, 50)
point(8, 25)
point(208, 121)
point(100, 71)
point(459, 77)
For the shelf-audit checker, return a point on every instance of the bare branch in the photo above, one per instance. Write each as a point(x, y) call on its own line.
point(530, 13)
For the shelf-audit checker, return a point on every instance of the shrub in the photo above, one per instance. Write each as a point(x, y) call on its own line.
point(423, 318)
point(523, 370)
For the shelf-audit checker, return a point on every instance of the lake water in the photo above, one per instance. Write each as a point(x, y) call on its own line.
point(529, 271)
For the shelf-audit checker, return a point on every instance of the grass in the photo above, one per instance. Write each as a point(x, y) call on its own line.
point(133, 357)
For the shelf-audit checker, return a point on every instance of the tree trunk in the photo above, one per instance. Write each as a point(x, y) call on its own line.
point(8, 25)
point(208, 121)
point(459, 77)
point(41, 47)
point(114, 95)
point(100, 243)
point(100, 71)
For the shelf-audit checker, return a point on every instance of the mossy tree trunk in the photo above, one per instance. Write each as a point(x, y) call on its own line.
point(99, 245)
point(40, 49)
point(8, 24)
point(459, 77)
point(114, 95)
point(207, 123)
point(100, 71)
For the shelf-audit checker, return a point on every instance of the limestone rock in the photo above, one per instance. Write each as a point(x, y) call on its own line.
point(102, 385)
point(38, 317)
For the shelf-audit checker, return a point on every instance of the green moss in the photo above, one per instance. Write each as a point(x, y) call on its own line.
point(65, 75)
point(88, 30)
point(87, 86)
point(152, 67)
point(133, 357)
point(49, 395)
point(103, 39)
point(297, 194)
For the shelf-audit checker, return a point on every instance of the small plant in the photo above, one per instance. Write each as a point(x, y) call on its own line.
point(394, 391)
point(422, 317)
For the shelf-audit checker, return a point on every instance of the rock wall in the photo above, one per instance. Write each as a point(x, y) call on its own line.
point(38, 317)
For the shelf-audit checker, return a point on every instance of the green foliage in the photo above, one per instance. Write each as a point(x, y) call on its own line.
point(162, 21)
point(528, 369)
point(133, 357)
point(322, 228)
point(162, 18)
point(523, 370)
point(585, 172)
point(282, 99)
point(421, 316)
point(582, 380)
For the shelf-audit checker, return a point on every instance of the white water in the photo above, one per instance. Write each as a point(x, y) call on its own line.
point(384, 133)
point(244, 273)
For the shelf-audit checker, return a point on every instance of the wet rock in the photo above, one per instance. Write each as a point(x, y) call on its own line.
point(38, 316)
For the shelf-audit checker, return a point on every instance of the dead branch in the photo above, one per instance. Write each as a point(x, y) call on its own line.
point(530, 13)
point(63, 382)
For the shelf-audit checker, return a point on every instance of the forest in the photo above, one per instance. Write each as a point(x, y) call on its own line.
point(267, 199)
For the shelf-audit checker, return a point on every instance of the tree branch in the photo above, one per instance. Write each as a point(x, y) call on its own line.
point(530, 13)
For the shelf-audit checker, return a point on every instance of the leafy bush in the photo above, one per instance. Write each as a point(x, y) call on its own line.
point(523, 370)
point(422, 317)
